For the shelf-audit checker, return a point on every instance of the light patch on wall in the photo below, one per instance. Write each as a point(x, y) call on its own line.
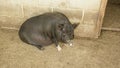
point(33, 3)
point(45, 2)
point(10, 8)
point(85, 4)
point(88, 28)
point(85, 29)
point(60, 3)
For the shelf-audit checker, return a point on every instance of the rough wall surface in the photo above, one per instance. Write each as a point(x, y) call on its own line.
point(14, 12)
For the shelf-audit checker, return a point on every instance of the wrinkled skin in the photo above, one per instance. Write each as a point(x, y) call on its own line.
point(46, 29)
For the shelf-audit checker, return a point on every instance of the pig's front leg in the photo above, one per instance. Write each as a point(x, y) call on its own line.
point(57, 45)
point(59, 48)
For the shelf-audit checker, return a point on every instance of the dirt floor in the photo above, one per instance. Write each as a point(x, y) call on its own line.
point(103, 52)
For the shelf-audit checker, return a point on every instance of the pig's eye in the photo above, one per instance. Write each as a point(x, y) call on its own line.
point(73, 35)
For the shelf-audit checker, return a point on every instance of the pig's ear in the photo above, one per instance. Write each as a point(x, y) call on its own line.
point(60, 26)
point(75, 25)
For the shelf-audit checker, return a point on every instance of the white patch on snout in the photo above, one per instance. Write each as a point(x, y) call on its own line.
point(68, 44)
point(59, 48)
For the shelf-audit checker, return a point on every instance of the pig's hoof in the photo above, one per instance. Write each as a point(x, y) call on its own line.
point(42, 48)
point(59, 48)
point(66, 45)
point(70, 44)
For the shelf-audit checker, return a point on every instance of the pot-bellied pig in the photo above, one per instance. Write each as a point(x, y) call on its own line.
point(47, 28)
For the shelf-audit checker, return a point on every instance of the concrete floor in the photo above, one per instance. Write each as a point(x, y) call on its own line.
point(86, 53)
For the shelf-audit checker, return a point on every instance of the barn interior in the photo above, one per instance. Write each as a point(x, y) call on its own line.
point(103, 52)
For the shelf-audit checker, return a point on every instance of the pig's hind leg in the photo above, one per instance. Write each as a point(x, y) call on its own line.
point(38, 46)
point(57, 45)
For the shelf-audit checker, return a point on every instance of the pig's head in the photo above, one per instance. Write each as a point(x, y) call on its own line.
point(66, 32)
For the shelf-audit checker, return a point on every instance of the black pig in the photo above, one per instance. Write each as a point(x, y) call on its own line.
point(48, 28)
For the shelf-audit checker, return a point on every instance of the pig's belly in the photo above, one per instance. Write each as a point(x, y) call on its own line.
point(36, 39)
